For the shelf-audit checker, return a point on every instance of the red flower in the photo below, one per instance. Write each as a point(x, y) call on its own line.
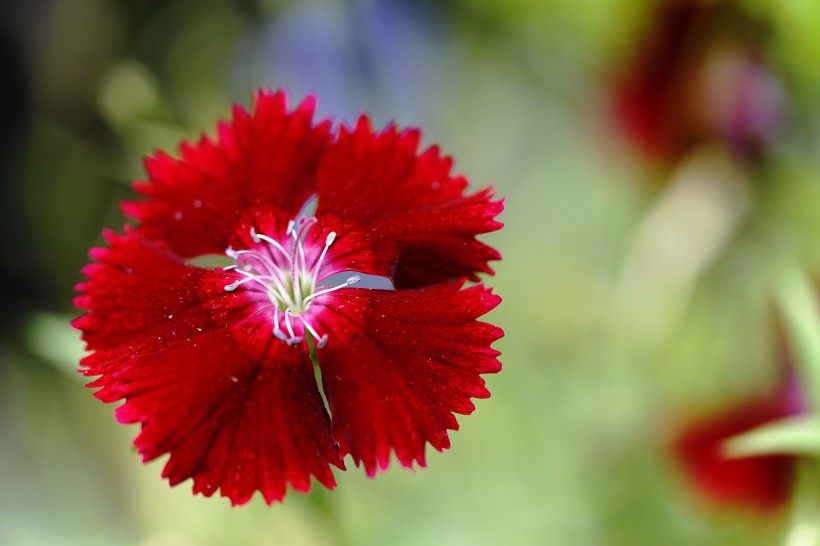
point(698, 76)
point(761, 482)
point(215, 364)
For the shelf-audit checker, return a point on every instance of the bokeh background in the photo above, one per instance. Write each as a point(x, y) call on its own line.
point(661, 170)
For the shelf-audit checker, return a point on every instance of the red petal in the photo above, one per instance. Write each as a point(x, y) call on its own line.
point(762, 482)
point(266, 159)
point(650, 97)
point(398, 364)
point(139, 299)
point(399, 213)
point(237, 410)
point(136, 286)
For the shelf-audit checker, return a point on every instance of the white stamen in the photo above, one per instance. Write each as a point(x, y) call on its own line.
point(235, 284)
point(329, 241)
point(287, 323)
point(276, 245)
point(301, 252)
point(231, 287)
point(309, 327)
point(352, 280)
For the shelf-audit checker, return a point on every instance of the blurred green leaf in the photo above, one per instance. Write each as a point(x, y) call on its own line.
point(797, 302)
point(51, 337)
point(799, 435)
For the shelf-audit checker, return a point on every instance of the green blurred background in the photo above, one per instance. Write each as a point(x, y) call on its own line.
point(636, 291)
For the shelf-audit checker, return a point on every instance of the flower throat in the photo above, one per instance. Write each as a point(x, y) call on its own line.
point(285, 277)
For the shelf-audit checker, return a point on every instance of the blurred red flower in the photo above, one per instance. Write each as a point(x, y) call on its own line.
point(761, 482)
point(215, 364)
point(699, 75)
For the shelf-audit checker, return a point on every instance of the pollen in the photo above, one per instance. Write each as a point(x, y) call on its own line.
point(284, 272)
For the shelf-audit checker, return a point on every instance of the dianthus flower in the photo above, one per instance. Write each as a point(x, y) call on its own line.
point(217, 364)
point(761, 482)
point(698, 75)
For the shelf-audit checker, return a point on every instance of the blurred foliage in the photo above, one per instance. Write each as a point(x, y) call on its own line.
point(607, 345)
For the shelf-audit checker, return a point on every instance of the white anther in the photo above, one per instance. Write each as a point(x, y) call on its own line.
point(353, 280)
point(250, 277)
point(231, 287)
point(315, 274)
point(280, 335)
point(254, 236)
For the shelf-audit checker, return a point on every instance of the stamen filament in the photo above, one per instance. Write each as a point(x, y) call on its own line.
point(329, 241)
point(321, 341)
point(308, 326)
point(235, 284)
point(288, 325)
point(276, 245)
point(352, 280)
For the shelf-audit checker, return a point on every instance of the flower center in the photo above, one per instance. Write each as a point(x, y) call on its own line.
point(286, 276)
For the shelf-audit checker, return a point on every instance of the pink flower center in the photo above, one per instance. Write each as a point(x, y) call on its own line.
point(286, 276)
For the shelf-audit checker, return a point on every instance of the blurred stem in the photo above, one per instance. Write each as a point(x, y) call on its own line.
point(797, 300)
point(312, 350)
point(314, 357)
point(320, 498)
point(805, 527)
